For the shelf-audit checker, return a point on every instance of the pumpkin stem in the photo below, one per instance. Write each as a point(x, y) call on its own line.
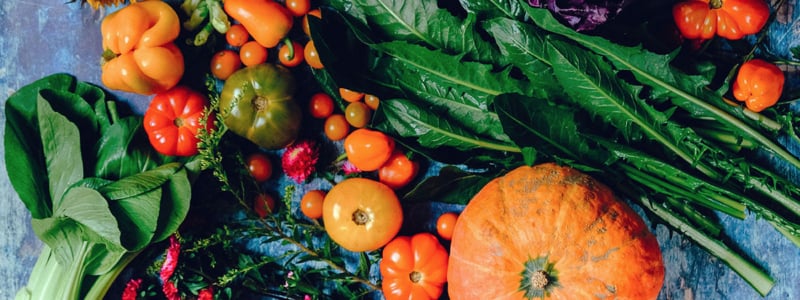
point(539, 279)
point(415, 276)
point(260, 103)
point(360, 217)
point(715, 4)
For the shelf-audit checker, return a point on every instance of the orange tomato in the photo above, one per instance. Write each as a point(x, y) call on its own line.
point(298, 7)
point(368, 149)
point(445, 224)
point(252, 53)
point(314, 12)
point(361, 214)
point(311, 55)
point(320, 106)
point(357, 114)
point(291, 56)
point(350, 95)
point(267, 21)
point(311, 204)
point(224, 63)
point(237, 35)
point(336, 127)
point(372, 101)
point(398, 171)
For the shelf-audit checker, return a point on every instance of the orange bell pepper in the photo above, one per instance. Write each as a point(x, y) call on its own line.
point(758, 84)
point(140, 55)
point(730, 19)
point(267, 21)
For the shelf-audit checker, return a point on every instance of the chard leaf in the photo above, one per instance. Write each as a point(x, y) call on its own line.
point(139, 183)
point(124, 150)
point(137, 218)
point(423, 22)
point(450, 69)
point(175, 202)
point(408, 119)
point(686, 91)
point(487, 9)
point(60, 140)
point(525, 46)
point(471, 110)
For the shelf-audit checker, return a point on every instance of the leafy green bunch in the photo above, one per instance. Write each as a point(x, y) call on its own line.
point(507, 84)
point(97, 192)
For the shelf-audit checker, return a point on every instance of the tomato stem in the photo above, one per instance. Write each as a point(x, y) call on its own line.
point(715, 4)
point(288, 43)
point(415, 276)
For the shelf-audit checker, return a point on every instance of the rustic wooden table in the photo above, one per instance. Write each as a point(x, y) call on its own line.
point(41, 37)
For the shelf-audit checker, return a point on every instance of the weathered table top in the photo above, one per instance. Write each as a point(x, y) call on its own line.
point(41, 37)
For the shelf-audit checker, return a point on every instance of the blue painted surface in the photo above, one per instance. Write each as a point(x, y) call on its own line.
point(57, 37)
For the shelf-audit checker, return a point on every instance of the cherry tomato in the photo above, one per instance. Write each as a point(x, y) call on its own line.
point(361, 214)
point(320, 106)
point(414, 267)
point(311, 204)
point(758, 84)
point(445, 224)
point(237, 35)
point(336, 127)
point(298, 7)
point(291, 58)
point(398, 171)
point(368, 149)
point(172, 121)
point(314, 12)
point(259, 166)
point(263, 204)
point(357, 114)
point(350, 95)
point(252, 53)
point(372, 101)
point(224, 63)
point(311, 55)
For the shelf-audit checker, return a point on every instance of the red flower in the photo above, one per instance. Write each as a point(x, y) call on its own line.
point(170, 290)
point(206, 294)
point(299, 160)
point(168, 268)
point(131, 289)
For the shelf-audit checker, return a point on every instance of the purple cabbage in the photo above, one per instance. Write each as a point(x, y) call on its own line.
point(583, 15)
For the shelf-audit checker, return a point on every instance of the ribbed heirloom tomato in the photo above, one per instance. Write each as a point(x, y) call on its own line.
point(173, 119)
point(257, 103)
point(414, 267)
point(731, 19)
point(361, 214)
point(139, 54)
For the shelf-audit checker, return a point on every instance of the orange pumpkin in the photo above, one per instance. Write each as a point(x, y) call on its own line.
point(552, 232)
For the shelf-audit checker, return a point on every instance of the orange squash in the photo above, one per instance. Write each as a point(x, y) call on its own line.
point(552, 232)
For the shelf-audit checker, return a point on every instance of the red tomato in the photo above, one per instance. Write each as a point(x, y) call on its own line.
point(224, 63)
point(414, 267)
point(291, 58)
point(263, 204)
point(259, 166)
point(173, 119)
point(237, 35)
point(731, 19)
point(311, 204)
point(252, 53)
point(320, 106)
point(445, 224)
point(398, 170)
point(298, 7)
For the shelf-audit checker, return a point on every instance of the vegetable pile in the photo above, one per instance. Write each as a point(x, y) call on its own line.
point(302, 145)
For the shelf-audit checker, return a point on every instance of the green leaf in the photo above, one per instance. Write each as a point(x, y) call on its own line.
point(175, 203)
point(137, 218)
point(450, 69)
point(124, 150)
point(423, 22)
point(487, 9)
point(408, 119)
point(60, 140)
point(451, 185)
point(140, 183)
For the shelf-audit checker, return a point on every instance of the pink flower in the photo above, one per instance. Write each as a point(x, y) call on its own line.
point(306, 297)
point(131, 289)
point(171, 261)
point(349, 168)
point(206, 294)
point(170, 290)
point(299, 160)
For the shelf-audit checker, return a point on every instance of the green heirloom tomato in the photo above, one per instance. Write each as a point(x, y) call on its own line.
point(257, 103)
